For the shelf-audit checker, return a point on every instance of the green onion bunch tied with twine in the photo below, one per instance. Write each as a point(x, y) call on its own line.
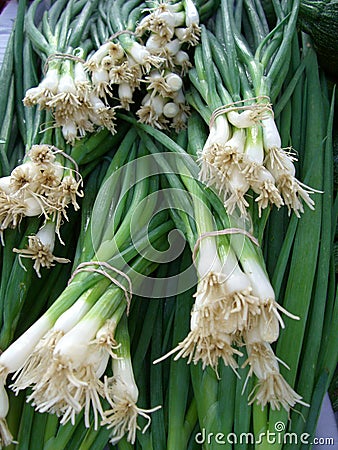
point(63, 356)
point(235, 304)
point(143, 50)
point(81, 85)
point(40, 186)
point(236, 79)
point(200, 104)
point(65, 89)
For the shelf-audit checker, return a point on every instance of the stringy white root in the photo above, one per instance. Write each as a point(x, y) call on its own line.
point(247, 153)
point(65, 391)
point(70, 98)
point(208, 349)
point(62, 386)
point(40, 186)
point(238, 309)
point(39, 253)
point(207, 340)
point(271, 388)
point(35, 365)
point(276, 392)
point(123, 415)
point(280, 164)
point(6, 437)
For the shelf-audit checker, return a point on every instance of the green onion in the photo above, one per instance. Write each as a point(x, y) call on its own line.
point(223, 103)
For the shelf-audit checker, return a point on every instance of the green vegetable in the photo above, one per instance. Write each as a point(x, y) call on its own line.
point(318, 18)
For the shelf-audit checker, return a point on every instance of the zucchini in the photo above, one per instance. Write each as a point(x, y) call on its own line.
point(319, 19)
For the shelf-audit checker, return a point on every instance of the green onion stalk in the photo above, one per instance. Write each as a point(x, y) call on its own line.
point(64, 354)
point(46, 289)
point(11, 149)
point(166, 323)
point(41, 185)
point(181, 402)
point(124, 393)
point(235, 304)
point(11, 133)
point(235, 83)
point(36, 198)
point(216, 409)
point(147, 336)
point(11, 145)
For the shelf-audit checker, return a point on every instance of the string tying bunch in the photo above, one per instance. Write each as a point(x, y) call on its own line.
point(87, 266)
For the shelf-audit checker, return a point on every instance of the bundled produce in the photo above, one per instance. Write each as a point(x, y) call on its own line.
point(238, 84)
point(121, 64)
point(65, 353)
point(41, 187)
point(66, 88)
point(152, 146)
point(81, 86)
point(234, 303)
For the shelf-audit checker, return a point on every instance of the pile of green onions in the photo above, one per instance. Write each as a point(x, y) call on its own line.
point(164, 151)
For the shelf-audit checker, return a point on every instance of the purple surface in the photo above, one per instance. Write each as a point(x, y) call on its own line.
point(327, 430)
point(6, 22)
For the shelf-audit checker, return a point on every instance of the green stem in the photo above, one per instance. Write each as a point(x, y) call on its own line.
point(38, 40)
point(179, 379)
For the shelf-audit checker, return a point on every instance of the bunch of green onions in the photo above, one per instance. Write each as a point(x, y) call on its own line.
point(64, 354)
point(234, 303)
point(80, 84)
point(235, 84)
point(91, 352)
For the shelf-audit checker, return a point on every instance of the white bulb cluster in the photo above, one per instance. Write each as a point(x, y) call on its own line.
point(234, 307)
point(83, 95)
point(67, 91)
point(40, 186)
point(243, 151)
